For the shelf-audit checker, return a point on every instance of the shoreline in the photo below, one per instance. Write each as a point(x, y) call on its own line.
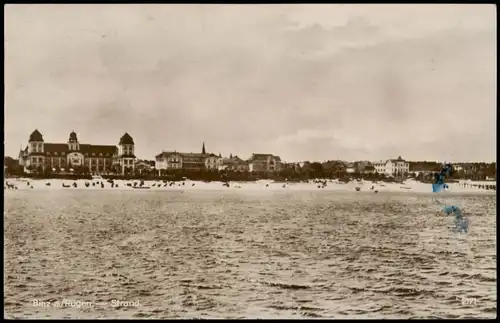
point(270, 185)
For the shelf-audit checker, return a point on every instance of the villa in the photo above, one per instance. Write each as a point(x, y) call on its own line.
point(264, 163)
point(392, 167)
point(172, 160)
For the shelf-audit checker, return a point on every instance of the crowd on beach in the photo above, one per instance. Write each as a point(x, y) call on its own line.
point(100, 183)
point(315, 184)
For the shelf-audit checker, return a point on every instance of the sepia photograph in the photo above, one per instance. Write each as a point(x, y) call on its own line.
point(250, 161)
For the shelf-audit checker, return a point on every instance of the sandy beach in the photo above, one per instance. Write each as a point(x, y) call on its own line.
point(331, 185)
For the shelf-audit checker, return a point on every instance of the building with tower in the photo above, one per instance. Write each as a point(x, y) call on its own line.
point(392, 167)
point(73, 155)
point(171, 160)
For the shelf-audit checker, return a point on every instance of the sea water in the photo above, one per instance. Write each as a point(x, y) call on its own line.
point(246, 254)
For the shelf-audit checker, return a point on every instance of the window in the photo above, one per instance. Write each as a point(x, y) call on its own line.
point(55, 153)
point(93, 154)
point(100, 154)
point(63, 153)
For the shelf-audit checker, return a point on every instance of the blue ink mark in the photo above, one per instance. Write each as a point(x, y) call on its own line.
point(462, 225)
point(461, 222)
point(439, 185)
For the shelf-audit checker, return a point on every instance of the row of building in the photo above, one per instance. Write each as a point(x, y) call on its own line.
point(390, 167)
point(102, 159)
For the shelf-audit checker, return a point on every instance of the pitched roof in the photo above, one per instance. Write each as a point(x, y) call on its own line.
point(263, 157)
point(167, 153)
point(106, 150)
point(193, 155)
point(151, 163)
point(189, 155)
point(260, 156)
point(399, 159)
point(36, 136)
point(126, 139)
point(234, 160)
point(98, 149)
point(52, 148)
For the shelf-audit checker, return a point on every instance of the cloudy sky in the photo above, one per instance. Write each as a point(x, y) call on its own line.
point(306, 82)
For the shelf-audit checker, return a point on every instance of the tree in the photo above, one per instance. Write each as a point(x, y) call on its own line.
point(288, 173)
point(10, 162)
point(128, 170)
point(12, 166)
point(317, 170)
point(48, 171)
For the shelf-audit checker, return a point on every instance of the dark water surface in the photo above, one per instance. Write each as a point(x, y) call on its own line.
point(211, 254)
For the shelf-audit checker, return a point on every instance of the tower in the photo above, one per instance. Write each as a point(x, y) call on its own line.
point(203, 152)
point(35, 150)
point(126, 145)
point(126, 153)
point(73, 144)
point(35, 142)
